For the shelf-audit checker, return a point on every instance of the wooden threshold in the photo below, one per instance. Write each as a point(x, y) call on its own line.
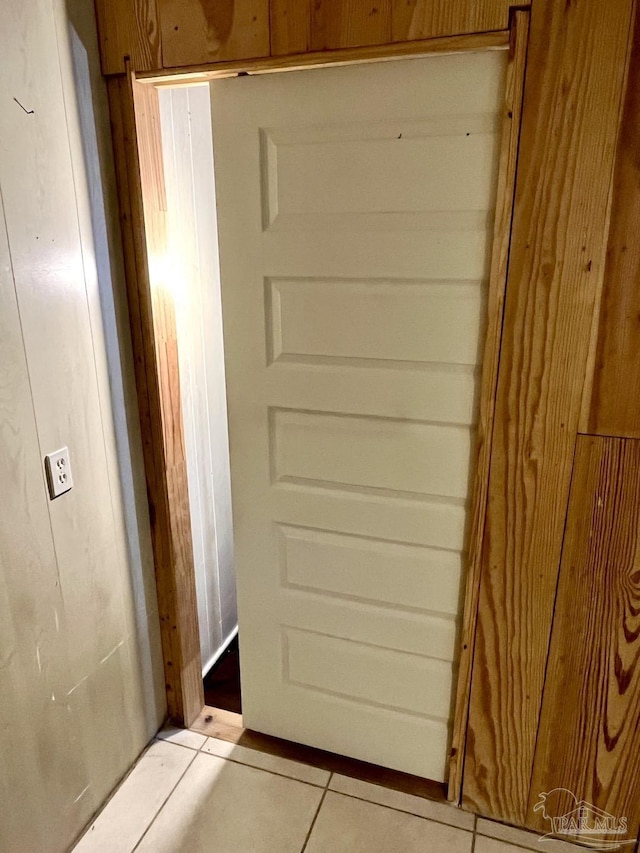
point(225, 725)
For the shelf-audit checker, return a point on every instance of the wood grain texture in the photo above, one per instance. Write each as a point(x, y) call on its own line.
point(180, 33)
point(498, 40)
point(573, 89)
point(297, 27)
point(310, 25)
point(128, 29)
point(195, 31)
point(614, 405)
point(415, 19)
point(143, 209)
point(589, 739)
point(511, 115)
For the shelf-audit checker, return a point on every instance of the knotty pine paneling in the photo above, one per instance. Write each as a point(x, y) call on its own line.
point(199, 31)
point(298, 27)
point(589, 734)
point(179, 33)
point(575, 79)
point(419, 19)
point(128, 28)
point(615, 399)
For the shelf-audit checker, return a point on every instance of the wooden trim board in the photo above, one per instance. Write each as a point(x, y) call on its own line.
point(497, 40)
point(493, 334)
point(135, 128)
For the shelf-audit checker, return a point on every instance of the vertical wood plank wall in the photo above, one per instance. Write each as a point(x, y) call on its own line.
point(613, 407)
point(592, 689)
point(570, 124)
point(568, 365)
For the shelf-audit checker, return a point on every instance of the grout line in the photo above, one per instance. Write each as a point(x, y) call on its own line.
point(255, 767)
point(315, 817)
point(272, 772)
point(328, 782)
point(97, 814)
point(520, 844)
point(173, 743)
point(474, 836)
point(165, 801)
point(342, 793)
point(403, 811)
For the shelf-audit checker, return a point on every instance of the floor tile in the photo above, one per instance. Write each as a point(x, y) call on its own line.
point(183, 737)
point(521, 838)
point(123, 821)
point(232, 808)
point(264, 761)
point(403, 802)
point(347, 825)
point(490, 845)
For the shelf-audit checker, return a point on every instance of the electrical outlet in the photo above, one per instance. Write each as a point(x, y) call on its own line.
point(58, 467)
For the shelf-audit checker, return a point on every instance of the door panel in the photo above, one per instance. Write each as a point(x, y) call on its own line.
point(355, 211)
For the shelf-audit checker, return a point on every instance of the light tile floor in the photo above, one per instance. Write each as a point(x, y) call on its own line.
point(201, 795)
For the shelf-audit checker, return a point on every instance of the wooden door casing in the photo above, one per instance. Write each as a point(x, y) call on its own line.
point(574, 84)
point(135, 120)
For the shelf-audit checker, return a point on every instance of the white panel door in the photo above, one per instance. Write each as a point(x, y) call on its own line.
point(355, 214)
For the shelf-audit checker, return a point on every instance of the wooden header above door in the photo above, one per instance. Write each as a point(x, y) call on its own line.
point(162, 34)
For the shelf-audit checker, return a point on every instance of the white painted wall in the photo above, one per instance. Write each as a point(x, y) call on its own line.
point(81, 683)
point(193, 245)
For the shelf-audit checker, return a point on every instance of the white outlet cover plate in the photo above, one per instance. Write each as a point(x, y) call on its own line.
point(58, 467)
